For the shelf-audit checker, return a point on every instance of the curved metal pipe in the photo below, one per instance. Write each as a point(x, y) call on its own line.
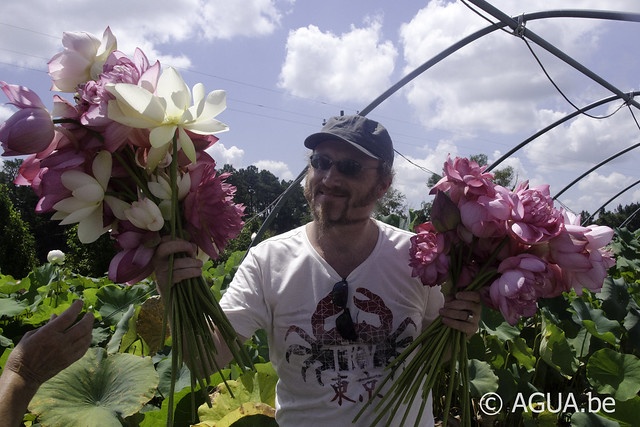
point(593, 14)
point(619, 16)
point(551, 126)
point(586, 221)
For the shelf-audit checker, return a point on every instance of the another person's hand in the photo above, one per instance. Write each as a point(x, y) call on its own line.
point(38, 357)
point(462, 312)
point(186, 266)
point(42, 353)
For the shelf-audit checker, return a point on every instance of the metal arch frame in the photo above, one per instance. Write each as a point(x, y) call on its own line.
point(519, 30)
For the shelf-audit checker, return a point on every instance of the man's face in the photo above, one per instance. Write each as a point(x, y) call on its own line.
point(337, 198)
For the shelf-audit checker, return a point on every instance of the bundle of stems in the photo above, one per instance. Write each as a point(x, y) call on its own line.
point(194, 316)
point(438, 349)
point(412, 386)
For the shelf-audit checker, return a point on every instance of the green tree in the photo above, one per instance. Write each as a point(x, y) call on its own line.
point(90, 259)
point(17, 245)
point(48, 234)
point(259, 189)
point(627, 216)
point(392, 203)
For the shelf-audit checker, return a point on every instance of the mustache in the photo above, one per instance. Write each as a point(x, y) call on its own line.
point(340, 192)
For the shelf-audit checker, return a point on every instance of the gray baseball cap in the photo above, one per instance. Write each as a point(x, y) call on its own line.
point(365, 134)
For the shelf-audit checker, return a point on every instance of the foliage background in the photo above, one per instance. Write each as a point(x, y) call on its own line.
point(576, 344)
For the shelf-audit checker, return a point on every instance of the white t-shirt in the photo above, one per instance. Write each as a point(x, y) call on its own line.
point(284, 287)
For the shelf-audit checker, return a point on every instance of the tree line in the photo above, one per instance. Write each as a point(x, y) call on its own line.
point(27, 237)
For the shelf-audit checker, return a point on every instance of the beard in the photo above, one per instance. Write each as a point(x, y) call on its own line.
point(332, 213)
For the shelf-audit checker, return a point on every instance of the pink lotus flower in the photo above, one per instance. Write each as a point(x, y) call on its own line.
point(428, 255)
point(30, 130)
point(486, 216)
point(93, 98)
point(581, 253)
point(211, 216)
point(81, 61)
point(515, 292)
point(464, 178)
point(134, 262)
point(534, 217)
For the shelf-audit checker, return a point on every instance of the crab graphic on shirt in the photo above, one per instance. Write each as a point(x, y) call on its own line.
point(325, 350)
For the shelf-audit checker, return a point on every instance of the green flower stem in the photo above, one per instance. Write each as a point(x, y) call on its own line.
point(194, 314)
point(429, 350)
point(141, 181)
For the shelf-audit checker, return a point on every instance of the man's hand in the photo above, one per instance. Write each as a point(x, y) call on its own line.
point(184, 267)
point(462, 312)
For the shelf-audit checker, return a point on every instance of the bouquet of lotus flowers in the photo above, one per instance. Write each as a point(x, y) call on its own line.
point(128, 158)
point(513, 247)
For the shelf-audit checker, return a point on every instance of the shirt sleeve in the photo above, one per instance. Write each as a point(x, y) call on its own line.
point(244, 302)
point(434, 302)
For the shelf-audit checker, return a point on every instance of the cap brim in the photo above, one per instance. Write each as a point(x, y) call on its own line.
point(313, 140)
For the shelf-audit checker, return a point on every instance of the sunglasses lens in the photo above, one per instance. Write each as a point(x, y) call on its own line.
point(344, 323)
point(340, 294)
point(349, 167)
point(320, 162)
point(345, 326)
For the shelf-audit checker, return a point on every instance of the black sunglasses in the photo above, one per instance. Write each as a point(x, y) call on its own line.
point(347, 167)
point(344, 323)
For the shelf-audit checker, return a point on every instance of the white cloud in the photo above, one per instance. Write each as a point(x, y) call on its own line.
point(597, 189)
point(276, 167)
point(145, 24)
point(479, 86)
point(225, 19)
point(5, 112)
point(223, 155)
point(412, 181)
point(583, 142)
point(347, 67)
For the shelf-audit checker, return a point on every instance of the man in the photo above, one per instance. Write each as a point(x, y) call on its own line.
point(335, 296)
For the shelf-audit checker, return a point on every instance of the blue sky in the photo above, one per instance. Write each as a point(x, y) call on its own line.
point(287, 65)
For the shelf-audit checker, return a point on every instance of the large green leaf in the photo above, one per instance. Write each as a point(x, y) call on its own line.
point(596, 322)
point(482, 379)
point(253, 394)
point(614, 373)
point(582, 419)
point(556, 350)
point(523, 353)
point(114, 301)
point(10, 307)
point(9, 285)
point(632, 325)
point(493, 322)
point(615, 298)
point(96, 391)
point(625, 413)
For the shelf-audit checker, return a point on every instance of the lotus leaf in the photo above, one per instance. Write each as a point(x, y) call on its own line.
point(98, 390)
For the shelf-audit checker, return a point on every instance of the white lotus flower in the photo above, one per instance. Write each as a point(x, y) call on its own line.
point(160, 187)
point(56, 257)
point(145, 215)
point(168, 111)
point(87, 195)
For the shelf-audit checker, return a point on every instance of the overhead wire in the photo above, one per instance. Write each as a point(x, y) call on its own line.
point(520, 33)
point(424, 169)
